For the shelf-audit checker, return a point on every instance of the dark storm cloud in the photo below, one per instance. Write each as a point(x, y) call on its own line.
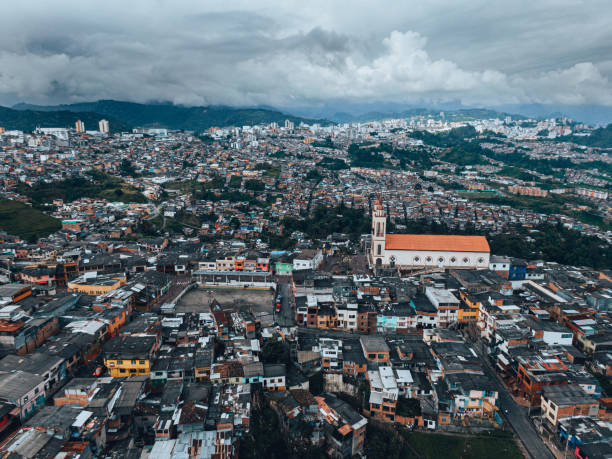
point(294, 54)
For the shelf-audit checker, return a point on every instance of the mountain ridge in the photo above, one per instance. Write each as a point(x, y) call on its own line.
point(173, 116)
point(29, 120)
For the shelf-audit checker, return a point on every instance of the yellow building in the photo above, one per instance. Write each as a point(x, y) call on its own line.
point(469, 310)
point(93, 284)
point(130, 355)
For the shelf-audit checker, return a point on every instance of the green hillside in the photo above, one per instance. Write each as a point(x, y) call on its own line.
point(601, 138)
point(97, 185)
point(175, 116)
point(21, 220)
point(28, 120)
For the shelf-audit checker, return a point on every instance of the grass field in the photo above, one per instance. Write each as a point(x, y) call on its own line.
point(385, 443)
point(483, 447)
point(21, 220)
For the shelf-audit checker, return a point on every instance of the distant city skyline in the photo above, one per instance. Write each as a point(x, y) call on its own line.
point(287, 54)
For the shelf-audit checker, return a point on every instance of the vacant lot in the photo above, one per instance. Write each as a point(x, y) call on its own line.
point(242, 299)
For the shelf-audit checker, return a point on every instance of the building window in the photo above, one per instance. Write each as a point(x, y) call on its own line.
point(453, 260)
point(481, 260)
point(379, 249)
point(428, 259)
point(417, 259)
point(441, 260)
point(466, 260)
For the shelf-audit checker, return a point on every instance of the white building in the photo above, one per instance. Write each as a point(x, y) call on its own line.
point(308, 259)
point(103, 126)
point(414, 251)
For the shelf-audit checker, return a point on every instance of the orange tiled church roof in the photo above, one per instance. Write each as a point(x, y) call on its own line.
point(435, 242)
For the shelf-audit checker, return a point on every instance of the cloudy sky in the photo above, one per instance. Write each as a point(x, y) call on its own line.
point(478, 52)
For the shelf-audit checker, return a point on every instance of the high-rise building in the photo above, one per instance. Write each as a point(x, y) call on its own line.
point(103, 126)
point(80, 126)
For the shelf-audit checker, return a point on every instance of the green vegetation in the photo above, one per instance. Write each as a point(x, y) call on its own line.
point(606, 384)
point(552, 204)
point(371, 156)
point(174, 116)
point(324, 221)
point(28, 120)
point(459, 149)
point(270, 169)
point(95, 185)
point(127, 168)
point(232, 196)
point(601, 138)
point(462, 157)
point(264, 438)
point(207, 139)
point(316, 383)
point(548, 242)
point(254, 185)
point(275, 351)
point(591, 219)
point(554, 243)
point(515, 172)
point(383, 442)
point(453, 138)
point(314, 175)
point(332, 164)
point(366, 157)
point(327, 143)
point(235, 181)
point(522, 161)
point(193, 186)
point(482, 446)
point(21, 220)
point(408, 406)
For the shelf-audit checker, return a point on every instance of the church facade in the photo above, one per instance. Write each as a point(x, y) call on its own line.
point(421, 251)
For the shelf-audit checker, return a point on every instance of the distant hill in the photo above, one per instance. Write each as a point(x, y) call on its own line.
point(28, 120)
point(601, 137)
point(175, 116)
point(590, 114)
point(21, 220)
point(467, 114)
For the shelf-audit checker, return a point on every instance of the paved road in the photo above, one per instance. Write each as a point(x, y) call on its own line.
point(517, 416)
point(286, 317)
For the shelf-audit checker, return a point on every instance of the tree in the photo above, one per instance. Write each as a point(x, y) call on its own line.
point(313, 175)
point(127, 168)
point(316, 383)
point(274, 351)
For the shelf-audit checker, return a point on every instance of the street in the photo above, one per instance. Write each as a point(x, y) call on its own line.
point(517, 415)
point(286, 317)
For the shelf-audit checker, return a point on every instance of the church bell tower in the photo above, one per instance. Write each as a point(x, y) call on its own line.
point(379, 231)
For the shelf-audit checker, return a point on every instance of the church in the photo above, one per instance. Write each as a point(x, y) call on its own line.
point(421, 251)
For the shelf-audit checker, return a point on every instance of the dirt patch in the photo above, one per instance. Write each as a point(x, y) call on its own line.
point(198, 300)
